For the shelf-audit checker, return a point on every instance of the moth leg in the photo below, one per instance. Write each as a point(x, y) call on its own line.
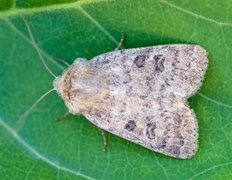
point(63, 117)
point(121, 41)
point(61, 61)
point(105, 141)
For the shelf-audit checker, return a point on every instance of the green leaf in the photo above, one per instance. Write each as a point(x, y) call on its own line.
point(43, 148)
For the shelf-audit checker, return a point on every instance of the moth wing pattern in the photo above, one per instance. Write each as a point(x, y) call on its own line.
point(148, 92)
point(140, 94)
point(180, 65)
point(172, 132)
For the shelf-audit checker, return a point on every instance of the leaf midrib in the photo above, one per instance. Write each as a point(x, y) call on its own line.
point(25, 11)
point(77, 4)
point(27, 146)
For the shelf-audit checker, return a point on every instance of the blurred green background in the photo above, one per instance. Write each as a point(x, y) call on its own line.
point(43, 148)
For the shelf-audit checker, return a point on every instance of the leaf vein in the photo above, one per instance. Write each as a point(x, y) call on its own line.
point(215, 101)
point(15, 29)
point(195, 15)
point(24, 11)
point(209, 169)
point(37, 154)
point(98, 25)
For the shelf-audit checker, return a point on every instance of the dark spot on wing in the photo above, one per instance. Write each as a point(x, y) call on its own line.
point(140, 61)
point(151, 130)
point(163, 144)
point(175, 150)
point(159, 63)
point(181, 142)
point(130, 125)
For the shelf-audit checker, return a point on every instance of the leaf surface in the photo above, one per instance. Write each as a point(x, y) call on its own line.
point(72, 149)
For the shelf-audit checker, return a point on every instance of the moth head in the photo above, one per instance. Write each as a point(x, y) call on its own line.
point(64, 84)
point(57, 84)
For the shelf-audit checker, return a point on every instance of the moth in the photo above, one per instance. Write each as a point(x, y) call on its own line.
point(139, 94)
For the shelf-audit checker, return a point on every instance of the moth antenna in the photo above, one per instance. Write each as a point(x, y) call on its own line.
point(37, 48)
point(29, 110)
